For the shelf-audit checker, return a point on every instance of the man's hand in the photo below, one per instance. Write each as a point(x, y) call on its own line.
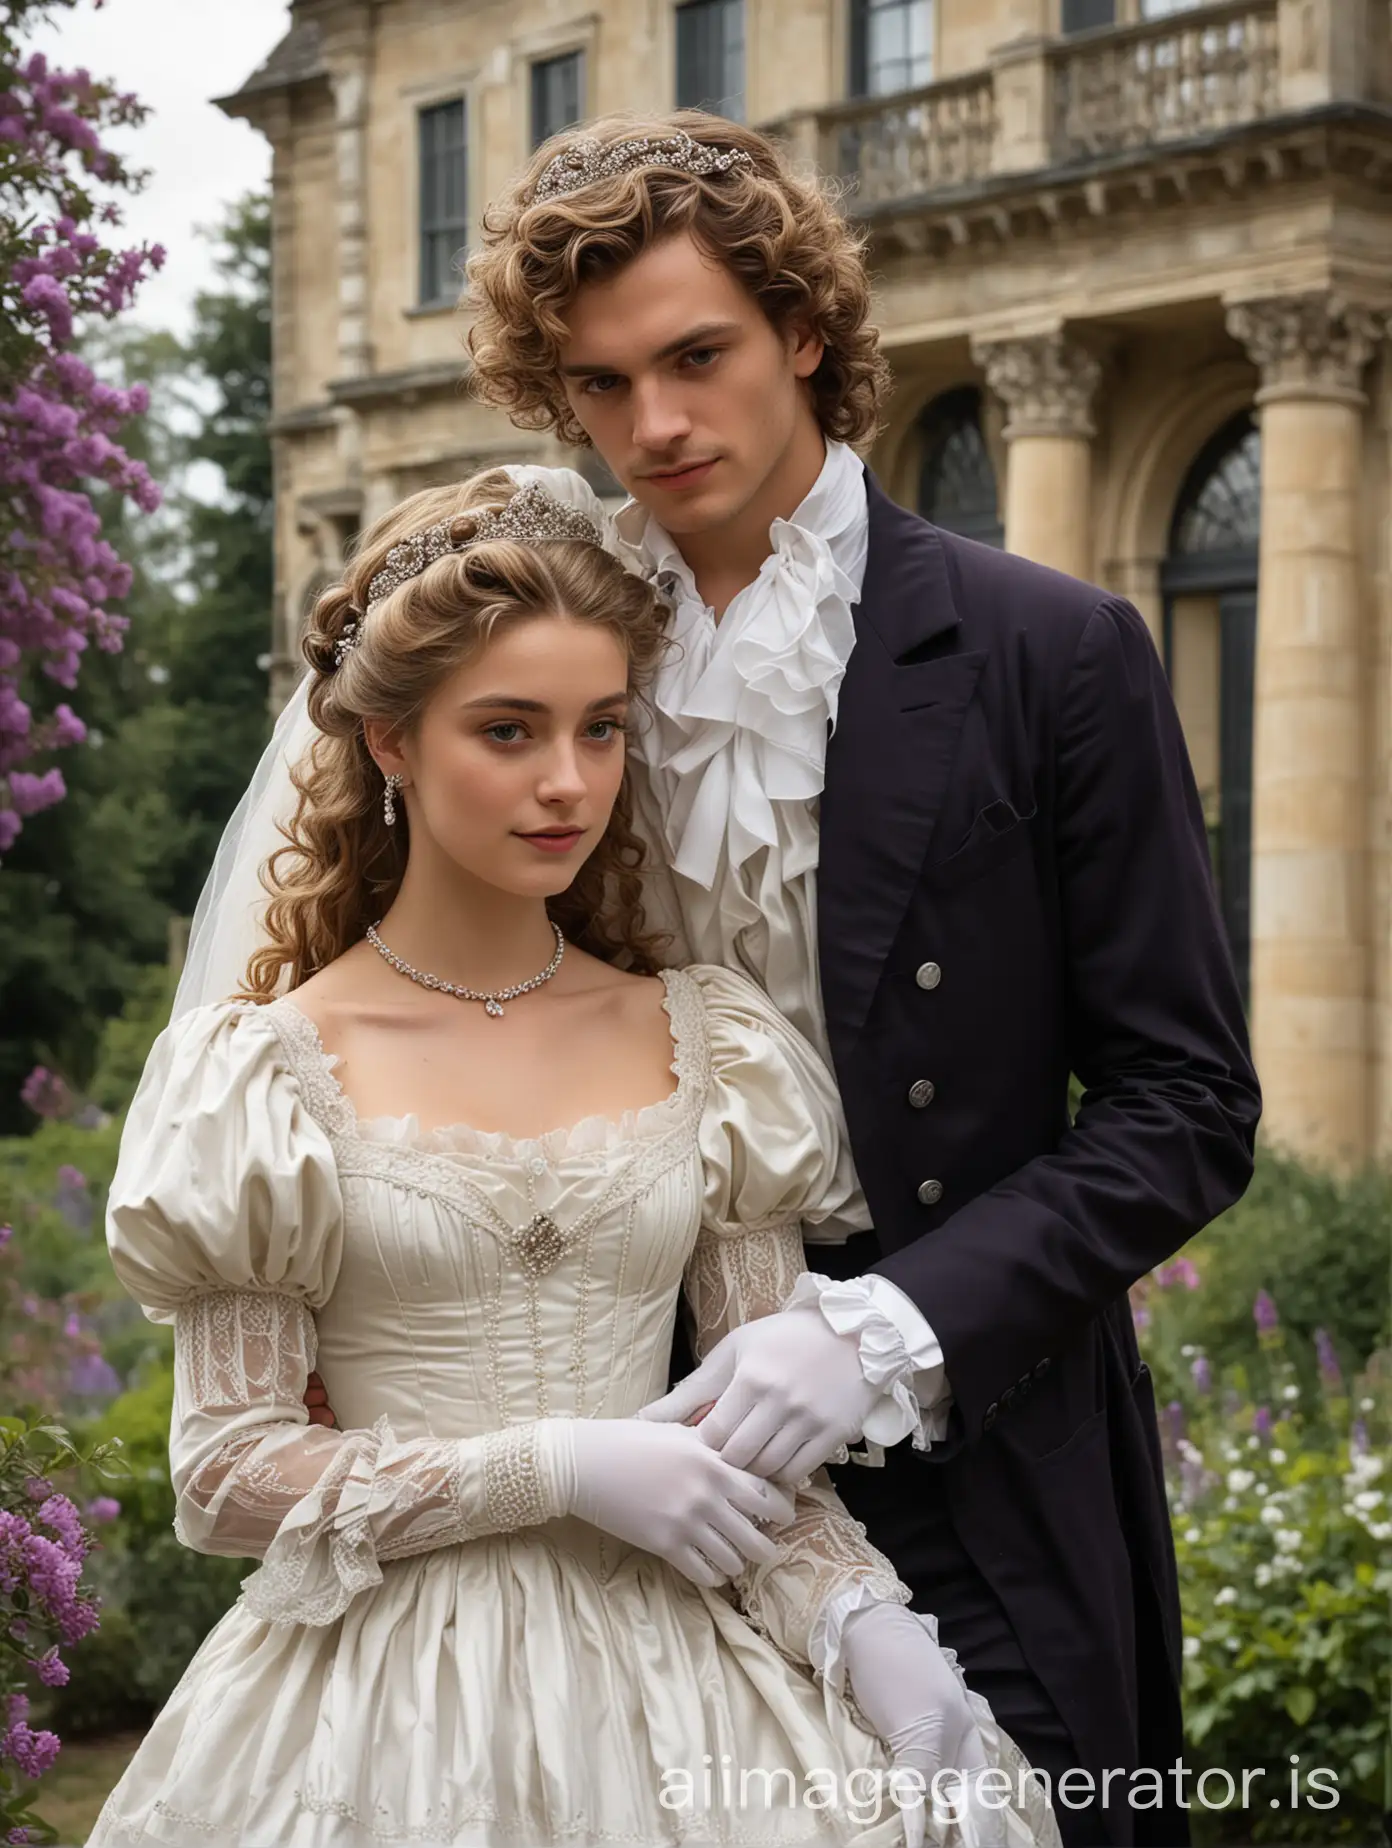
point(788, 1392)
point(906, 1688)
point(317, 1403)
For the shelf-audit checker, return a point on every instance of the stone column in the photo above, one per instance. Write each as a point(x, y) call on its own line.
point(1311, 963)
point(1046, 383)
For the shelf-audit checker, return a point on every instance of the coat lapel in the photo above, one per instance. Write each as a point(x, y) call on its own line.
point(899, 719)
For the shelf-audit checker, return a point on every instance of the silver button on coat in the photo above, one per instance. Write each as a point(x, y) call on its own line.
point(930, 1193)
point(922, 1093)
point(929, 975)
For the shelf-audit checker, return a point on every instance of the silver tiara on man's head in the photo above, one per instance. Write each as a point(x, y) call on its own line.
point(587, 160)
point(532, 517)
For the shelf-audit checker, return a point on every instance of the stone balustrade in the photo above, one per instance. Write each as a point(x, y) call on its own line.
point(1045, 103)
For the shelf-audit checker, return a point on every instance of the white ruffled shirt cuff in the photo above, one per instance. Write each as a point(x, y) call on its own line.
point(898, 1353)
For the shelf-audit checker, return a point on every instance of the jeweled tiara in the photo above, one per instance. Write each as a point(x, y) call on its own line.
point(587, 160)
point(532, 517)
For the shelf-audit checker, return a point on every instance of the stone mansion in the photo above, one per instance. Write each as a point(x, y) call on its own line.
point(1133, 263)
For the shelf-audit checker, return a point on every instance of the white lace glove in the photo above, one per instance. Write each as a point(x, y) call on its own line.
point(911, 1696)
point(789, 1392)
point(660, 1488)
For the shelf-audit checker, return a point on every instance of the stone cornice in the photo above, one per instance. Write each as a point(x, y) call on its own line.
point(1045, 381)
point(429, 379)
point(1315, 344)
point(1344, 140)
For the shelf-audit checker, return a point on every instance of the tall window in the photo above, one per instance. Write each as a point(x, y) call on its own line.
point(1160, 9)
point(891, 45)
point(557, 88)
point(710, 57)
point(443, 210)
point(1083, 15)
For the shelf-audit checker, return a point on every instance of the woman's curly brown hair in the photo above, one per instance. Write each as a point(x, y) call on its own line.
point(779, 233)
point(342, 865)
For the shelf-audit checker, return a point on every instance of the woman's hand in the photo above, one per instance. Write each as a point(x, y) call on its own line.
point(907, 1690)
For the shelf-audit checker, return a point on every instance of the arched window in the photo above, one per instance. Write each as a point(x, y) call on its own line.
point(956, 482)
point(1210, 585)
point(1218, 514)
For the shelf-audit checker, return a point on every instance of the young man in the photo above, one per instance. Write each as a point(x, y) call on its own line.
point(935, 799)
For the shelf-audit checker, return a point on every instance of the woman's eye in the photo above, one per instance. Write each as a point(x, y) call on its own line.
point(601, 382)
point(506, 731)
point(603, 730)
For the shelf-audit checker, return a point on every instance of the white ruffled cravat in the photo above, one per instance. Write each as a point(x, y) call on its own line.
point(736, 751)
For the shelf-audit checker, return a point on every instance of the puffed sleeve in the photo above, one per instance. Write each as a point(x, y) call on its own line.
point(775, 1153)
point(773, 1137)
point(225, 1217)
point(224, 1180)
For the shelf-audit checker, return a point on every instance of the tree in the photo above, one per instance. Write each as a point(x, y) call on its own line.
point(58, 421)
point(216, 657)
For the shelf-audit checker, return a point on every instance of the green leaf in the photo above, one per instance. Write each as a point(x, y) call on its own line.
point(1300, 1704)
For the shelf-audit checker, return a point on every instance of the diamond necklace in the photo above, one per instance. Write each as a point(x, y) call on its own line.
point(492, 1003)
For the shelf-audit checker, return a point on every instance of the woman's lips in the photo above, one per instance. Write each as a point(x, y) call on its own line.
point(554, 843)
point(685, 477)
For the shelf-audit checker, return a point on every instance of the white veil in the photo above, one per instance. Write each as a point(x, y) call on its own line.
point(227, 926)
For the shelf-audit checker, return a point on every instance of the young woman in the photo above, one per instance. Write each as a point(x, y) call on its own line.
point(496, 1605)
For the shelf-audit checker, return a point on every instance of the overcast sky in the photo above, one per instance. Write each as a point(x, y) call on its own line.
point(176, 55)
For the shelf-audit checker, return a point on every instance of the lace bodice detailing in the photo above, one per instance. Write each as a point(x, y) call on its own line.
point(323, 1509)
point(827, 1566)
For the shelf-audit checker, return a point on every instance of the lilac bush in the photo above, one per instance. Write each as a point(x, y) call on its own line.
point(59, 423)
point(45, 1607)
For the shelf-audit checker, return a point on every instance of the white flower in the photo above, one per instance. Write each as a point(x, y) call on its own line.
point(1290, 1392)
point(1286, 1565)
point(1366, 1405)
point(1380, 1530)
point(1273, 1513)
point(1278, 1455)
point(1233, 1643)
point(1191, 1646)
point(1253, 1442)
point(1288, 1539)
point(1228, 1595)
point(1193, 1535)
point(1240, 1480)
point(1260, 1489)
point(1262, 1575)
point(1188, 1350)
point(1368, 1500)
point(1230, 1504)
point(1231, 1453)
point(1363, 1469)
point(1190, 1452)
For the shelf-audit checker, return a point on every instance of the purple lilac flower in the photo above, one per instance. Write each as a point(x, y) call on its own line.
point(1175, 1427)
point(37, 1489)
point(43, 1091)
point(60, 1514)
point(69, 1176)
point(1330, 1371)
point(51, 1669)
point(103, 1508)
point(1140, 1317)
point(18, 1835)
point(1261, 1421)
point(1264, 1313)
point(92, 1376)
point(1358, 1437)
point(1202, 1372)
point(33, 1752)
point(6, 1234)
point(1178, 1271)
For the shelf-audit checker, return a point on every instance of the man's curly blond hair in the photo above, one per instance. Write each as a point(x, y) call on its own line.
point(778, 232)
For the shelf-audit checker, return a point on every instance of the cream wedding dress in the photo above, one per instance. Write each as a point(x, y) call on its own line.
point(418, 1659)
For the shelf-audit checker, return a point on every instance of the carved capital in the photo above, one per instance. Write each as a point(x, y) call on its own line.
point(1314, 345)
point(1046, 383)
